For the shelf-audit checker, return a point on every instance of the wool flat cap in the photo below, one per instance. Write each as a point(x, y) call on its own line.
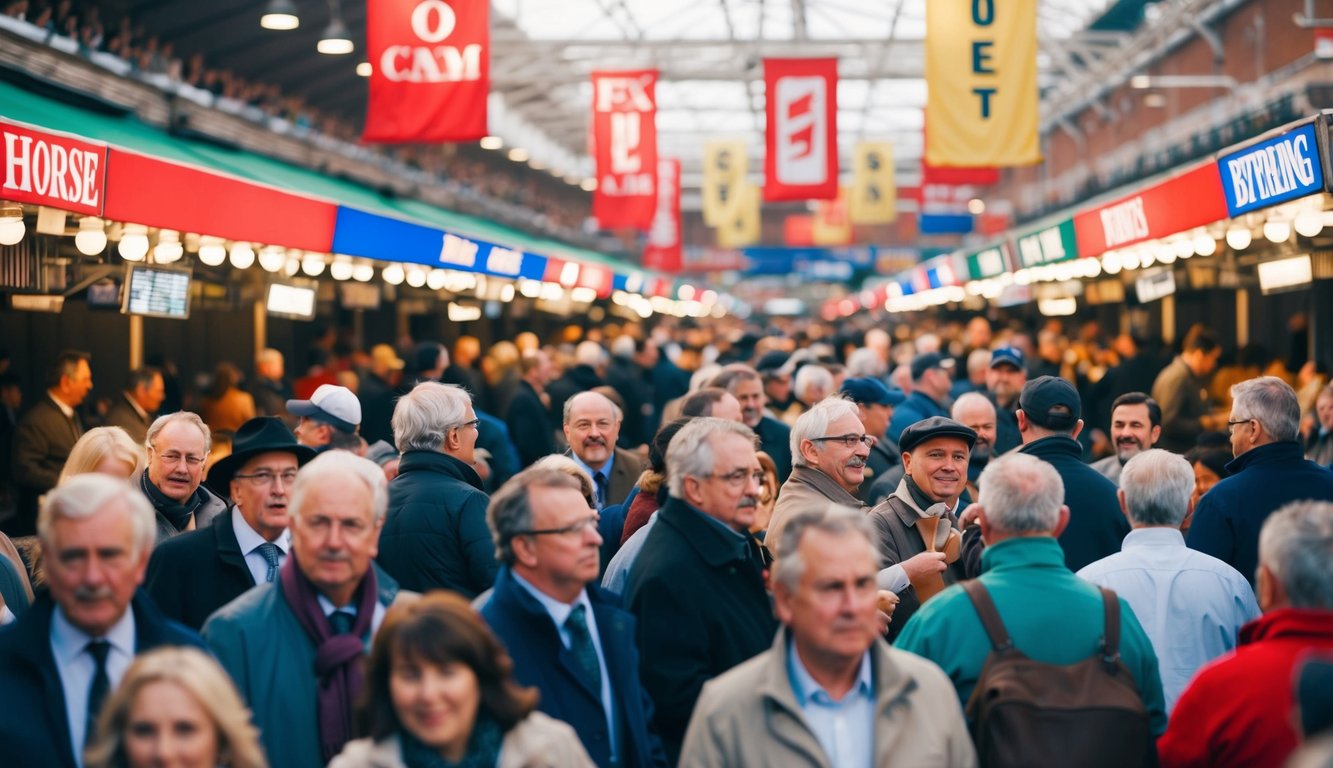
point(935, 426)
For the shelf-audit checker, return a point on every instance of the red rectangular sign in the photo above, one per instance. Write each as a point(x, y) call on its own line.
point(663, 249)
point(801, 129)
point(624, 137)
point(51, 169)
point(1192, 199)
point(430, 70)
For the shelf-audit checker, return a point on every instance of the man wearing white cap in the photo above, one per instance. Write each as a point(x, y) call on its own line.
point(329, 419)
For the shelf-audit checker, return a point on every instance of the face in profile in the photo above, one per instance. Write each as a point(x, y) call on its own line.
point(435, 703)
point(168, 728)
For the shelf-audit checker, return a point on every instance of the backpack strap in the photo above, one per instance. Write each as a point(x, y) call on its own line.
point(990, 618)
point(1111, 638)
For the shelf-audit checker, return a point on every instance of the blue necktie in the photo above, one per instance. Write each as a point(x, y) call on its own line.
point(98, 689)
point(599, 479)
point(580, 643)
point(269, 551)
point(341, 622)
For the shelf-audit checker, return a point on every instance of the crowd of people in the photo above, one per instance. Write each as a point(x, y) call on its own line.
point(681, 545)
point(469, 173)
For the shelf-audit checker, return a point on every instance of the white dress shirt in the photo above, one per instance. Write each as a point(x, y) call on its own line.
point(249, 542)
point(69, 647)
point(1192, 605)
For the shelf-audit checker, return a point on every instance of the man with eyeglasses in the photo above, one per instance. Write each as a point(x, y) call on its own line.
point(194, 574)
point(177, 448)
point(329, 420)
point(567, 636)
point(436, 536)
point(698, 586)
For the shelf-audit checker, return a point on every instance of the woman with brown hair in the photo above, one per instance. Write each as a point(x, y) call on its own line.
point(440, 692)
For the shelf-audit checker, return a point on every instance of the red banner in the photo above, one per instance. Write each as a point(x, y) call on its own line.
point(933, 174)
point(801, 161)
point(1189, 200)
point(798, 230)
point(430, 73)
point(50, 169)
point(624, 136)
point(663, 250)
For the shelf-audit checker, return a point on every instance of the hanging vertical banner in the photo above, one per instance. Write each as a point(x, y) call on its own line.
point(430, 70)
point(832, 225)
point(725, 166)
point(624, 135)
point(872, 198)
point(801, 158)
point(742, 228)
point(981, 83)
point(663, 249)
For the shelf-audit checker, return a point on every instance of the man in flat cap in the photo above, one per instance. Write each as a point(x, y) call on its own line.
point(917, 525)
point(874, 404)
point(932, 378)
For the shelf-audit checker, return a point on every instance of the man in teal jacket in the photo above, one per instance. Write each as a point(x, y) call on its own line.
point(1053, 616)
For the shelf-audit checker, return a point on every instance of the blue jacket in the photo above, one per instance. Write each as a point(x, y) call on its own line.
point(775, 440)
point(916, 407)
point(1227, 521)
point(541, 660)
point(1096, 523)
point(34, 729)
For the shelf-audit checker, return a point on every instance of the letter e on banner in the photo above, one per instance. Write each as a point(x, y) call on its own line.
point(624, 137)
point(430, 70)
point(801, 158)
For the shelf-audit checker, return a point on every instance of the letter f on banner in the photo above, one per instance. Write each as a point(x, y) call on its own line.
point(801, 159)
point(624, 138)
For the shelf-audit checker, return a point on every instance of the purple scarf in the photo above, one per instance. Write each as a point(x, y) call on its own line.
point(337, 657)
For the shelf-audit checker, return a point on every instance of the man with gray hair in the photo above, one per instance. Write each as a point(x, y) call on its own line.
point(566, 636)
point(436, 536)
point(829, 448)
point(71, 648)
point(1021, 513)
point(294, 646)
point(697, 587)
point(592, 428)
point(829, 691)
point(1269, 471)
point(812, 383)
point(1191, 605)
point(1237, 711)
point(177, 448)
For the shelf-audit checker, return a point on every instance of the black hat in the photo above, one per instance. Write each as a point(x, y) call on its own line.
point(1051, 402)
point(867, 390)
point(935, 426)
point(923, 363)
point(264, 434)
point(1008, 356)
point(771, 361)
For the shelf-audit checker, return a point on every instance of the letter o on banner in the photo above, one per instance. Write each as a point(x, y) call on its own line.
point(444, 22)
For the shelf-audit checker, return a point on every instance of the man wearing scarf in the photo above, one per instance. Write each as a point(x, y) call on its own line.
point(918, 524)
point(319, 615)
point(177, 448)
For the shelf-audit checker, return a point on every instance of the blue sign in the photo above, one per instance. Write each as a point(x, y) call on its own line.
point(818, 263)
point(944, 224)
point(1282, 168)
point(358, 233)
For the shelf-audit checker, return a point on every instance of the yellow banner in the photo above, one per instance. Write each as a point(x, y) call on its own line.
point(981, 83)
point(872, 198)
point(725, 165)
point(832, 225)
point(741, 228)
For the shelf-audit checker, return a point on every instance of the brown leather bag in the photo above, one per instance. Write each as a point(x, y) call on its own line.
point(1027, 713)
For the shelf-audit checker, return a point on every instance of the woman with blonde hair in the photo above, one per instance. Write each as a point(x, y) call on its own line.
point(562, 463)
point(175, 706)
point(107, 450)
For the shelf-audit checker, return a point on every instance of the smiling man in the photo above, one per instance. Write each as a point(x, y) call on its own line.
point(829, 448)
point(177, 448)
point(592, 426)
point(566, 635)
point(194, 574)
point(1136, 423)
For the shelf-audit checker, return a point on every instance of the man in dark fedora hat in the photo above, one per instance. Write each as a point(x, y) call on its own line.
point(194, 574)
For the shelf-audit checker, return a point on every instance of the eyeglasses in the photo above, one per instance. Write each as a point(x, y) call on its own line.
point(848, 440)
point(175, 457)
point(589, 522)
point(739, 477)
point(259, 479)
point(465, 424)
point(1231, 425)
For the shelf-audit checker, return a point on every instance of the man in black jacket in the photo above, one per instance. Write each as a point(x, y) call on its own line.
point(1049, 419)
point(45, 435)
point(528, 417)
point(194, 574)
point(435, 536)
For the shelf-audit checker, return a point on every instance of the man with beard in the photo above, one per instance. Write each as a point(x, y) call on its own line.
point(192, 575)
point(1136, 423)
point(177, 448)
point(975, 412)
point(829, 449)
point(1005, 378)
point(745, 385)
point(592, 426)
point(917, 526)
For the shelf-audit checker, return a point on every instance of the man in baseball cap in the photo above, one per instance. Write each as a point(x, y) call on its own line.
point(932, 378)
point(1005, 378)
point(329, 419)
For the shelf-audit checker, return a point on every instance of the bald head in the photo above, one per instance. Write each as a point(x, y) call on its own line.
point(977, 413)
point(592, 426)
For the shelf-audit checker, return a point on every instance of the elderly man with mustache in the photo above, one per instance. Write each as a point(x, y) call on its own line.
point(592, 426)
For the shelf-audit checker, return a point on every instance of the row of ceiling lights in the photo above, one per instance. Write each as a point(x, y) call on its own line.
point(281, 15)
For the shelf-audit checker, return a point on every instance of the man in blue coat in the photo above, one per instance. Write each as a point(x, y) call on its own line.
point(567, 636)
point(63, 657)
point(931, 382)
point(1269, 471)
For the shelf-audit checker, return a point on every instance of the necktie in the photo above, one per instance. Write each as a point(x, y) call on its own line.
point(599, 479)
point(341, 621)
point(269, 551)
point(580, 642)
point(98, 689)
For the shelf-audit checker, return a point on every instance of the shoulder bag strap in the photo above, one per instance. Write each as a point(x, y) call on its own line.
point(1111, 638)
point(990, 618)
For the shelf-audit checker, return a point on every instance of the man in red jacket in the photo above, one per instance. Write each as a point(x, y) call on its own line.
point(1237, 711)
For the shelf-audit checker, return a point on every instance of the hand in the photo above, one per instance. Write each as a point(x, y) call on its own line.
point(924, 564)
point(969, 515)
point(886, 602)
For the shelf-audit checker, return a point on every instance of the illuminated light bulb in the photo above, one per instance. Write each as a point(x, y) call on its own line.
point(212, 251)
point(438, 278)
point(1277, 231)
point(1205, 245)
point(416, 277)
point(272, 258)
point(341, 269)
point(1239, 238)
point(1309, 224)
point(242, 255)
point(91, 239)
point(393, 274)
point(168, 248)
point(363, 272)
point(313, 264)
point(133, 243)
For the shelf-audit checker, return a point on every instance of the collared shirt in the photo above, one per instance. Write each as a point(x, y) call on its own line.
point(592, 473)
point(326, 605)
point(1190, 604)
point(65, 409)
point(135, 405)
point(617, 571)
point(250, 541)
point(846, 728)
point(559, 612)
point(69, 647)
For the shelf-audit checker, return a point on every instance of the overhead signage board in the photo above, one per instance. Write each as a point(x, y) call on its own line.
point(1192, 199)
point(1155, 284)
point(379, 237)
point(51, 169)
point(1282, 168)
point(1048, 246)
point(988, 262)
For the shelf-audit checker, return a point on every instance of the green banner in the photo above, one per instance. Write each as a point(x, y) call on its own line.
point(1048, 246)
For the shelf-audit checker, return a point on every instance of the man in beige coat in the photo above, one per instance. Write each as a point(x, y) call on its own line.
point(830, 692)
point(829, 446)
